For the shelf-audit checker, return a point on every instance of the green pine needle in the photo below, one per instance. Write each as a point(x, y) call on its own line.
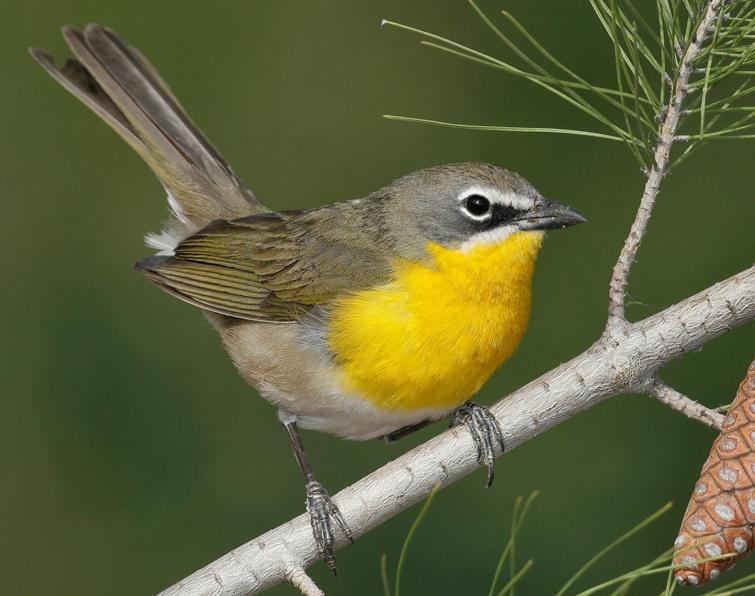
point(644, 572)
point(563, 131)
point(734, 587)
point(620, 585)
point(384, 575)
point(407, 542)
point(508, 589)
point(520, 510)
point(633, 112)
point(620, 540)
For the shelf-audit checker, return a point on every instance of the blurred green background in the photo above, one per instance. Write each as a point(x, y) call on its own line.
point(132, 454)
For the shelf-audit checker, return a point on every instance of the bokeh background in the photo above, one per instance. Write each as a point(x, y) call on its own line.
point(132, 454)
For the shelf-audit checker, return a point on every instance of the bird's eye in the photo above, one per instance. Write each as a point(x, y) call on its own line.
point(476, 205)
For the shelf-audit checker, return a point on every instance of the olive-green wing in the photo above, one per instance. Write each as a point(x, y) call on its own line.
point(268, 267)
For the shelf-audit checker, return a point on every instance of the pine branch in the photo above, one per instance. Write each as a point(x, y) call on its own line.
point(610, 367)
point(681, 403)
point(648, 65)
point(620, 278)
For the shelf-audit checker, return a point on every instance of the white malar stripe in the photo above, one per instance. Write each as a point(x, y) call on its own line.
point(494, 236)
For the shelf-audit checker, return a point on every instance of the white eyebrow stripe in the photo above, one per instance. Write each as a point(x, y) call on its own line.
point(497, 197)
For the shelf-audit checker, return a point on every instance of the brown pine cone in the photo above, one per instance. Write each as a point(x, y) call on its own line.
point(721, 513)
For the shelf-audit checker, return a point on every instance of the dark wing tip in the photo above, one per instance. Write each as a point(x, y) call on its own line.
point(95, 30)
point(70, 32)
point(147, 266)
point(74, 38)
point(42, 57)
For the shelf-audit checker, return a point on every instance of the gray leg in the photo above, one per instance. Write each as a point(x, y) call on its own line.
point(485, 431)
point(322, 510)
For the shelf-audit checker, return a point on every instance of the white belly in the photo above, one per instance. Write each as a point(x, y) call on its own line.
point(290, 366)
point(347, 416)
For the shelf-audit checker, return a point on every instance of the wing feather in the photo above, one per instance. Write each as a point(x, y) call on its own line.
point(268, 267)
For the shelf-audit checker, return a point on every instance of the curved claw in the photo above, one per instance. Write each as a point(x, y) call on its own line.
point(485, 431)
point(322, 510)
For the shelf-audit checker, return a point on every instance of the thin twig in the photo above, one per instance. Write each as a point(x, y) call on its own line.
point(681, 403)
point(299, 579)
point(620, 278)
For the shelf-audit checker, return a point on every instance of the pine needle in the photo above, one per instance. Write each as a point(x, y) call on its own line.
point(632, 112)
point(563, 131)
point(521, 508)
point(410, 535)
point(620, 540)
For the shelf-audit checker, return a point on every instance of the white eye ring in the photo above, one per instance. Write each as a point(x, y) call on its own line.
point(476, 206)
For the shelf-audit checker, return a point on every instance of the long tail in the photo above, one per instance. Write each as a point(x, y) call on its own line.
point(120, 85)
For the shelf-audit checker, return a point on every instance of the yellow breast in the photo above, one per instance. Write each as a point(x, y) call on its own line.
point(434, 335)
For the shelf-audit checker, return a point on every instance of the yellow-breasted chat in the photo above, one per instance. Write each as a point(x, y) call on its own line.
point(364, 318)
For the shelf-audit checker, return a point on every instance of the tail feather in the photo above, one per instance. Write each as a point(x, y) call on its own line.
point(125, 90)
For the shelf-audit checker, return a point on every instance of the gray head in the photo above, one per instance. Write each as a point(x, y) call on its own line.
point(460, 205)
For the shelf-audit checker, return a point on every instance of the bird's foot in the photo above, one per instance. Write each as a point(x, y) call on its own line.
point(485, 431)
point(322, 511)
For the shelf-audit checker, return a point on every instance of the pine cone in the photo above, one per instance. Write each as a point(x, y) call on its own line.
point(721, 513)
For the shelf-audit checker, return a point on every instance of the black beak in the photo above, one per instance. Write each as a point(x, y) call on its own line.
point(549, 215)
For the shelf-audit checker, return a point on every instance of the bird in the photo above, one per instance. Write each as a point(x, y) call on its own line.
point(365, 318)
